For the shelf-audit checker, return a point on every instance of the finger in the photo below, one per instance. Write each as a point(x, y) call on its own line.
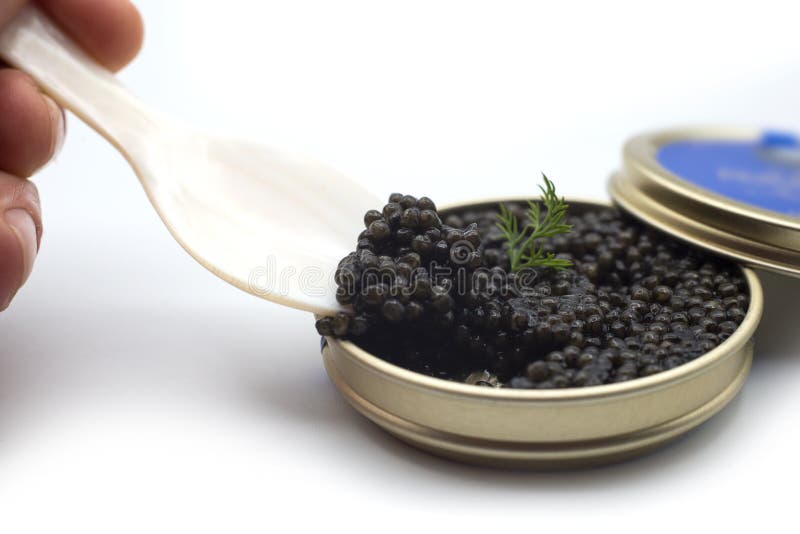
point(20, 234)
point(32, 128)
point(110, 30)
point(8, 8)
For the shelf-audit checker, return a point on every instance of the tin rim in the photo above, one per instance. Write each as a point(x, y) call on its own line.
point(727, 227)
point(539, 455)
point(739, 338)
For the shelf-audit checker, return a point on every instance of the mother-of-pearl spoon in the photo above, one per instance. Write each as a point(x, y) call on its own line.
point(271, 223)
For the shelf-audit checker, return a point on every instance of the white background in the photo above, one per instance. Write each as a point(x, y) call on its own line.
point(138, 393)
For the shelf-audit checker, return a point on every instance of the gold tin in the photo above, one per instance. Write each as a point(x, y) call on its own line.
point(544, 428)
point(743, 233)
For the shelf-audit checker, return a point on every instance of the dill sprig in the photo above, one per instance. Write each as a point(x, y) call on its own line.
point(523, 250)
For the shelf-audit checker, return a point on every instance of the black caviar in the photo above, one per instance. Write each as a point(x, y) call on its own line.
point(433, 293)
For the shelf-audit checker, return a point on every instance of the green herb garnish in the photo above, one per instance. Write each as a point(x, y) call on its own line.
point(523, 250)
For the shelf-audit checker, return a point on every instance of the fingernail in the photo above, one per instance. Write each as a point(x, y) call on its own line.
point(22, 224)
point(59, 125)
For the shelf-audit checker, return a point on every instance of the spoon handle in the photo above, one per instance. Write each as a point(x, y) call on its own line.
point(34, 44)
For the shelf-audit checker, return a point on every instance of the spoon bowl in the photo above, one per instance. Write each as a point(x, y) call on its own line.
point(272, 223)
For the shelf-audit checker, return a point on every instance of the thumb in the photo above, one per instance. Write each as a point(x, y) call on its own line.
point(20, 232)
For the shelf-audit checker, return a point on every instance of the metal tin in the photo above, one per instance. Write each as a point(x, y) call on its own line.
point(544, 428)
point(743, 232)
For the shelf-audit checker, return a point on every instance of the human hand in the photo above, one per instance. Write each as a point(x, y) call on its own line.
point(32, 125)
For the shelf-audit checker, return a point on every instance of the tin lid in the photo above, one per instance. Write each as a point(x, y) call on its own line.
point(734, 192)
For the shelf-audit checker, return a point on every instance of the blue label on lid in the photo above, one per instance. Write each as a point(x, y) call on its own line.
point(763, 173)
